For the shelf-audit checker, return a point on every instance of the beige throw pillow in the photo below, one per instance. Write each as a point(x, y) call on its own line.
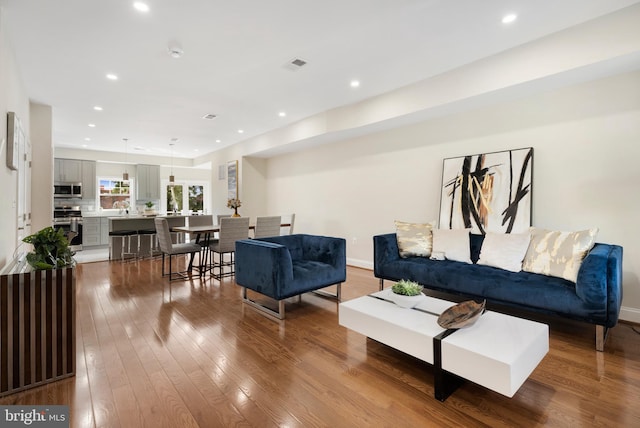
point(558, 254)
point(414, 239)
point(453, 243)
point(504, 250)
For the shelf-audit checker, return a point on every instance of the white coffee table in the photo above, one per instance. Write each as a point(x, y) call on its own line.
point(498, 352)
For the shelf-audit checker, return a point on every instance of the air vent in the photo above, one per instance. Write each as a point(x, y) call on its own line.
point(295, 64)
point(209, 116)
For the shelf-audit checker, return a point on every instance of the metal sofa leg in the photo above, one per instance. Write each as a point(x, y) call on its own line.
point(337, 296)
point(601, 337)
point(263, 309)
point(381, 284)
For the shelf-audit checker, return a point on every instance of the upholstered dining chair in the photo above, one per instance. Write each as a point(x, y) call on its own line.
point(221, 216)
point(232, 229)
point(169, 248)
point(267, 226)
point(200, 220)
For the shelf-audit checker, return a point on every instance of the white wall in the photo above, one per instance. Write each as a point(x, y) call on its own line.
point(42, 163)
point(586, 150)
point(12, 98)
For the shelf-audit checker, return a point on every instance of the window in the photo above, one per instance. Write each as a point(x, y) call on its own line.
point(186, 196)
point(114, 193)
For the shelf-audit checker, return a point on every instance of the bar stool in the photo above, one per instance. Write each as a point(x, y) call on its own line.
point(154, 249)
point(125, 235)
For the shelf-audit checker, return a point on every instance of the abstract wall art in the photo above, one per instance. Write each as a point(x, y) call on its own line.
point(489, 192)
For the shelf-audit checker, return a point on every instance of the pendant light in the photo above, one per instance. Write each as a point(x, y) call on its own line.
point(125, 174)
point(172, 179)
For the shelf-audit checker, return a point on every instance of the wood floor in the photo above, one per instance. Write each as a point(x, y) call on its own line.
point(148, 356)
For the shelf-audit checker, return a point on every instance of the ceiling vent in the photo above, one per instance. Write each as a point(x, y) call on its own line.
point(209, 116)
point(295, 64)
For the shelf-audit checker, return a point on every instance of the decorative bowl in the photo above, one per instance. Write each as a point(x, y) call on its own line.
point(406, 301)
point(461, 315)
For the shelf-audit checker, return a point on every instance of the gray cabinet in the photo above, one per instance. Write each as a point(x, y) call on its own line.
point(91, 231)
point(104, 231)
point(88, 179)
point(148, 178)
point(69, 170)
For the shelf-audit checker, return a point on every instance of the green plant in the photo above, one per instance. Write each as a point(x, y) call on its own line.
point(149, 204)
point(50, 249)
point(407, 288)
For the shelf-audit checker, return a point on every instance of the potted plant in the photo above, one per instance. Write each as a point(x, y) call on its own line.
point(51, 250)
point(234, 203)
point(407, 294)
point(149, 208)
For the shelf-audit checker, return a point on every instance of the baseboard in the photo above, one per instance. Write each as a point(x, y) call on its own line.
point(365, 264)
point(630, 314)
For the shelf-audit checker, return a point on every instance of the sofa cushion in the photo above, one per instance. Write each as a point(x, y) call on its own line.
point(558, 254)
point(504, 250)
point(454, 243)
point(414, 239)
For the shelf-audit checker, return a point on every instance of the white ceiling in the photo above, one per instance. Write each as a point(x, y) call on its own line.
point(234, 60)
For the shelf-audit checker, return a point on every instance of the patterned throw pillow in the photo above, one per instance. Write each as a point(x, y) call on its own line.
point(504, 250)
point(453, 243)
point(558, 254)
point(414, 239)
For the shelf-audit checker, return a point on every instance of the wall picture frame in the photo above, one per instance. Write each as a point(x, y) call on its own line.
point(488, 192)
point(15, 136)
point(232, 179)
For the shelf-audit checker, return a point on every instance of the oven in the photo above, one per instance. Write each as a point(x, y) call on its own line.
point(69, 219)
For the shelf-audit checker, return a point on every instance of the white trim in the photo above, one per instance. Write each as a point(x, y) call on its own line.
point(630, 314)
point(365, 264)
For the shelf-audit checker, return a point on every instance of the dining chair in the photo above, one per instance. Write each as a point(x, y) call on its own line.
point(267, 226)
point(221, 216)
point(199, 220)
point(169, 248)
point(232, 229)
point(291, 221)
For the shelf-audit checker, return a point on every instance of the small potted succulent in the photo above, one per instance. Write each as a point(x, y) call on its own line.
point(149, 208)
point(407, 293)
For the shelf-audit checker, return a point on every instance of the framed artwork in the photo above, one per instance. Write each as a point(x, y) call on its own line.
point(232, 179)
point(489, 192)
point(14, 139)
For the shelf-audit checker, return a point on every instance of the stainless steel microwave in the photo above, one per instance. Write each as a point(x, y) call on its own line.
point(67, 190)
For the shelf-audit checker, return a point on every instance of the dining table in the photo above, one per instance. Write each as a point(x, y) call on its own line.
point(206, 231)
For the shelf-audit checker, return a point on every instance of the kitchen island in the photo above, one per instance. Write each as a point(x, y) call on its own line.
point(139, 244)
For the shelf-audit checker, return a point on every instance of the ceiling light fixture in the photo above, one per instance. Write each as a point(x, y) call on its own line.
point(508, 19)
point(218, 141)
point(112, 76)
point(175, 52)
point(97, 108)
point(282, 114)
point(87, 139)
point(92, 125)
point(240, 131)
point(172, 178)
point(125, 174)
point(140, 6)
point(355, 83)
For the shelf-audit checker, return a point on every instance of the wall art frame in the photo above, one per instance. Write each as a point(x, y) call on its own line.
point(232, 179)
point(488, 192)
point(15, 137)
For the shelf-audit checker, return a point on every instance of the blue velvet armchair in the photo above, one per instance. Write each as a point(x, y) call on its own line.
point(284, 266)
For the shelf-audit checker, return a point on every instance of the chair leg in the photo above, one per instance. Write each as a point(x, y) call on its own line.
point(264, 310)
point(337, 296)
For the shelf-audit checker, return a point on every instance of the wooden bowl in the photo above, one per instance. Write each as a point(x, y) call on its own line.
point(461, 315)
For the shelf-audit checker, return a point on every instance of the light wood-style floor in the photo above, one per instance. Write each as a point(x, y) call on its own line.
point(196, 356)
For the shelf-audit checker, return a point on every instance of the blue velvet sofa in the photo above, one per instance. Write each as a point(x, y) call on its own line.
point(284, 266)
point(595, 298)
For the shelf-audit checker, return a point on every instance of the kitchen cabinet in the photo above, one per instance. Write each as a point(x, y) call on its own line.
point(88, 179)
point(104, 231)
point(67, 170)
point(91, 231)
point(148, 178)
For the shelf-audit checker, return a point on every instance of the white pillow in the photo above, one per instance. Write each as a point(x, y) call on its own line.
point(454, 243)
point(504, 250)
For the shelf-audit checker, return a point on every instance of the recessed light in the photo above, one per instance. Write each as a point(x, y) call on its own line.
point(218, 141)
point(97, 108)
point(112, 76)
point(508, 19)
point(355, 83)
point(240, 131)
point(87, 139)
point(209, 116)
point(84, 146)
point(282, 114)
point(140, 6)
point(92, 125)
